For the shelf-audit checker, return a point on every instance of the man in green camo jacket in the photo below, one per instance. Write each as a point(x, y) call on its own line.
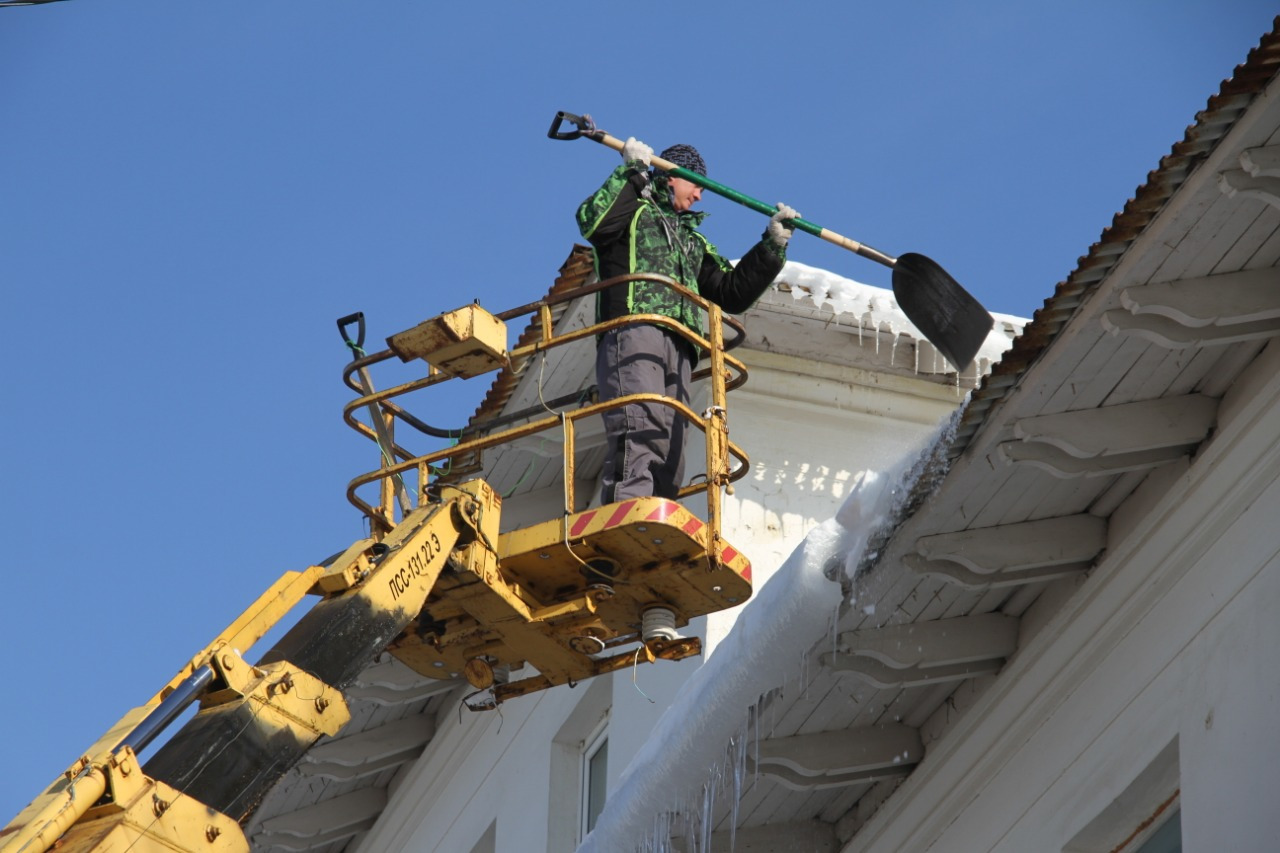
point(643, 222)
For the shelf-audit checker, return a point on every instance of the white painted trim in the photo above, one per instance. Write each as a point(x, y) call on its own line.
point(1028, 544)
point(1244, 296)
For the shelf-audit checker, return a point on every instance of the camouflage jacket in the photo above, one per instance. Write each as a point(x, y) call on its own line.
point(634, 229)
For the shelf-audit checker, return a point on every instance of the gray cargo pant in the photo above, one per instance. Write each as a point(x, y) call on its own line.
point(645, 451)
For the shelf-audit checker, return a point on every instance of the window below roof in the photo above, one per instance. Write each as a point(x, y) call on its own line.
point(595, 776)
point(1167, 838)
point(578, 772)
point(488, 842)
point(1144, 818)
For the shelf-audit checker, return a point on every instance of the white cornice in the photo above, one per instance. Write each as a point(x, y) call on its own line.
point(1231, 472)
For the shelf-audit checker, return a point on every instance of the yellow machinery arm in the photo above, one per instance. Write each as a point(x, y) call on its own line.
point(255, 721)
point(587, 592)
point(334, 641)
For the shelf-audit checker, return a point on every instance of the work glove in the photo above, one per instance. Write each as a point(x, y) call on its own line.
point(634, 149)
point(780, 232)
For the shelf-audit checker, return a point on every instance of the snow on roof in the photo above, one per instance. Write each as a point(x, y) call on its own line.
point(876, 308)
point(683, 761)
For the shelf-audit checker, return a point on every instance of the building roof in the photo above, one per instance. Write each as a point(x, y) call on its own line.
point(1117, 381)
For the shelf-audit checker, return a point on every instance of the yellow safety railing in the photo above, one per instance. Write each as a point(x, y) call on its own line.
point(725, 461)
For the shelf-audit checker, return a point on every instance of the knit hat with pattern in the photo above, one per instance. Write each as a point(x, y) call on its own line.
point(687, 157)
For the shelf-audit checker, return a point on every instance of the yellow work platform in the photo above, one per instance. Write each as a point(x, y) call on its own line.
point(568, 594)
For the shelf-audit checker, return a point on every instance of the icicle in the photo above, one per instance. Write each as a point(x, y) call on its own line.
point(704, 819)
point(739, 772)
point(755, 720)
point(835, 629)
point(664, 830)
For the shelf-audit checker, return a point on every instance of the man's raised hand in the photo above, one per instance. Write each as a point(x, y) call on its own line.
point(780, 232)
point(634, 149)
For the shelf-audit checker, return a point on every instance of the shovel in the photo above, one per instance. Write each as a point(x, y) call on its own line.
point(375, 411)
point(944, 312)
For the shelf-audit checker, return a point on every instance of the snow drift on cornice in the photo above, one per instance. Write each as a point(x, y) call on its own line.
point(875, 308)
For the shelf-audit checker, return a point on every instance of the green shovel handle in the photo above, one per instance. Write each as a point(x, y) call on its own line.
point(587, 129)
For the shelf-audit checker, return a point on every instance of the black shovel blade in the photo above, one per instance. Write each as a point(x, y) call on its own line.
point(944, 312)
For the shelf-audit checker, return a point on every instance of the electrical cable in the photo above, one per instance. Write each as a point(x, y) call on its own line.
point(635, 666)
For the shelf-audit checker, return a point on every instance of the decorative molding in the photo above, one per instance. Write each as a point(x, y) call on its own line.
point(1204, 311)
point(369, 751)
point(1068, 467)
point(1239, 182)
point(1171, 334)
point(1226, 300)
point(838, 758)
point(1258, 176)
point(799, 782)
point(1047, 542)
point(391, 683)
point(1113, 439)
point(920, 653)
point(1012, 554)
point(960, 576)
point(1261, 162)
point(1196, 312)
point(323, 823)
point(1125, 428)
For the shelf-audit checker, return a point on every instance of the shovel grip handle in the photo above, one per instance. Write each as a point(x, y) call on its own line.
point(583, 126)
point(343, 322)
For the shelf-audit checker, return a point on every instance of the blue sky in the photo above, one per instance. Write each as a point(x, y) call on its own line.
point(194, 192)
